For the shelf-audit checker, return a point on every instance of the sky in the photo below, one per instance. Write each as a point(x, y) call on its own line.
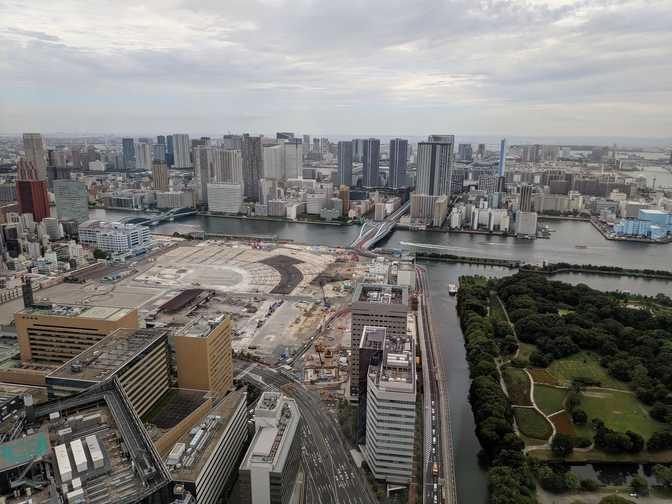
point(509, 67)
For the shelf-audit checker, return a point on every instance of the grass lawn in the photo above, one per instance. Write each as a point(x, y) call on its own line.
point(532, 424)
point(542, 376)
point(518, 386)
point(586, 365)
point(549, 399)
point(620, 411)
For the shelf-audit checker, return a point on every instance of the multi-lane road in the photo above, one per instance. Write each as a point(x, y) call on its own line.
point(331, 474)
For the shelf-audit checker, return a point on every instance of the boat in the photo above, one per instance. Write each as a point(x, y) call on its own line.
point(581, 246)
point(452, 289)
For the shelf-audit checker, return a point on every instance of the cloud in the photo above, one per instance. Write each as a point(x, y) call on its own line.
point(382, 66)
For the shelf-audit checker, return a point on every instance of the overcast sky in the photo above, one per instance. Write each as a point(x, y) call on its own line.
point(518, 67)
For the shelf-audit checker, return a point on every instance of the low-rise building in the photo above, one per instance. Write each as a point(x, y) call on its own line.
point(115, 237)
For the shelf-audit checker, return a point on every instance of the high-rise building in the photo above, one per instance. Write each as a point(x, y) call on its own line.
point(284, 135)
point(34, 148)
point(252, 165)
point(159, 152)
point(344, 173)
point(268, 472)
point(128, 153)
point(57, 333)
point(502, 157)
point(72, 200)
point(232, 168)
point(390, 411)
point(232, 142)
point(375, 305)
point(481, 151)
point(370, 354)
point(293, 159)
point(143, 156)
point(371, 162)
point(181, 151)
point(32, 195)
point(161, 140)
point(203, 355)
point(273, 161)
point(465, 152)
point(435, 165)
point(306, 144)
point(170, 152)
point(160, 176)
point(225, 198)
point(398, 160)
point(525, 202)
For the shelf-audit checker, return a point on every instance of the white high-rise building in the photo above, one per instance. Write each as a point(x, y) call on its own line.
point(143, 156)
point(181, 151)
point(435, 165)
point(34, 147)
point(225, 198)
point(390, 411)
point(232, 168)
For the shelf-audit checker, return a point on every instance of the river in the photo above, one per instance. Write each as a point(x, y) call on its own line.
point(471, 482)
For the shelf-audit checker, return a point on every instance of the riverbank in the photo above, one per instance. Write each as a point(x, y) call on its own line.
point(551, 269)
point(476, 232)
point(484, 261)
point(568, 218)
point(275, 219)
point(603, 231)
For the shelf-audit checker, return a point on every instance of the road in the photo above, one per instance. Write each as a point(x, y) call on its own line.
point(439, 468)
point(331, 474)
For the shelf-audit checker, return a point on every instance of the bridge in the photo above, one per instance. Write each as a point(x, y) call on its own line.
point(169, 216)
point(372, 232)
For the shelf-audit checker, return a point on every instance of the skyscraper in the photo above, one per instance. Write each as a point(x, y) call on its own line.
point(143, 156)
point(128, 152)
point(31, 194)
point(181, 151)
point(72, 200)
point(371, 161)
point(465, 152)
point(293, 159)
point(435, 165)
point(160, 177)
point(161, 140)
point(525, 202)
point(252, 165)
point(306, 144)
point(33, 146)
point(398, 160)
point(159, 152)
point(284, 135)
point(344, 173)
point(502, 157)
point(170, 153)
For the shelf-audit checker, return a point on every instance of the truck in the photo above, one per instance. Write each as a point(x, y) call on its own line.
point(435, 469)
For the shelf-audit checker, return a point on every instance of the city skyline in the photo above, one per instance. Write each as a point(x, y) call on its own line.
point(455, 67)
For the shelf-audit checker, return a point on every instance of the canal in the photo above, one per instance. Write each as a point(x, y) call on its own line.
point(561, 247)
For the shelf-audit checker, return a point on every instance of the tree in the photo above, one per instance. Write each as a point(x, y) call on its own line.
point(663, 475)
point(579, 417)
point(100, 254)
point(589, 485)
point(562, 445)
point(639, 485)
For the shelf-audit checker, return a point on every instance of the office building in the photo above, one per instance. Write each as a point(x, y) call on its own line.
point(170, 153)
point(371, 162)
point(293, 159)
point(115, 237)
point(357, 149)
point(465, 152)
point(35, 153)
point(160, 176)
point(161, 140)
point(232, 168)
point(128, 153)
point(344, 159)
point(274, 161)
point(33, 198)
point(525, 202)
point(398, 160)
point(481, 152)
point(91, 447)
point(370, 354)
point(56, 333)
point(306, 144)
point(159, 153)
point(526, 224)
point(143, 156)
point(375, 305)
point(72, 200)
point(138, 358)
point(203, 461)
point(390, 411)
point(284, 135)
point(181, 151)
point(203, 355)
point(269, 469)
point(435, 165)
point(225, 198)
point(502, 157)
point(252, 166)
point(7, 193)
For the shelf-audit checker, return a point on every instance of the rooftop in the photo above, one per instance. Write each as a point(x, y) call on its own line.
point(105, 358)
point(78, 311)
point(121, 465)
point(188, 456)
point(373, 337)
point(381, 294)
point(397, 371)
